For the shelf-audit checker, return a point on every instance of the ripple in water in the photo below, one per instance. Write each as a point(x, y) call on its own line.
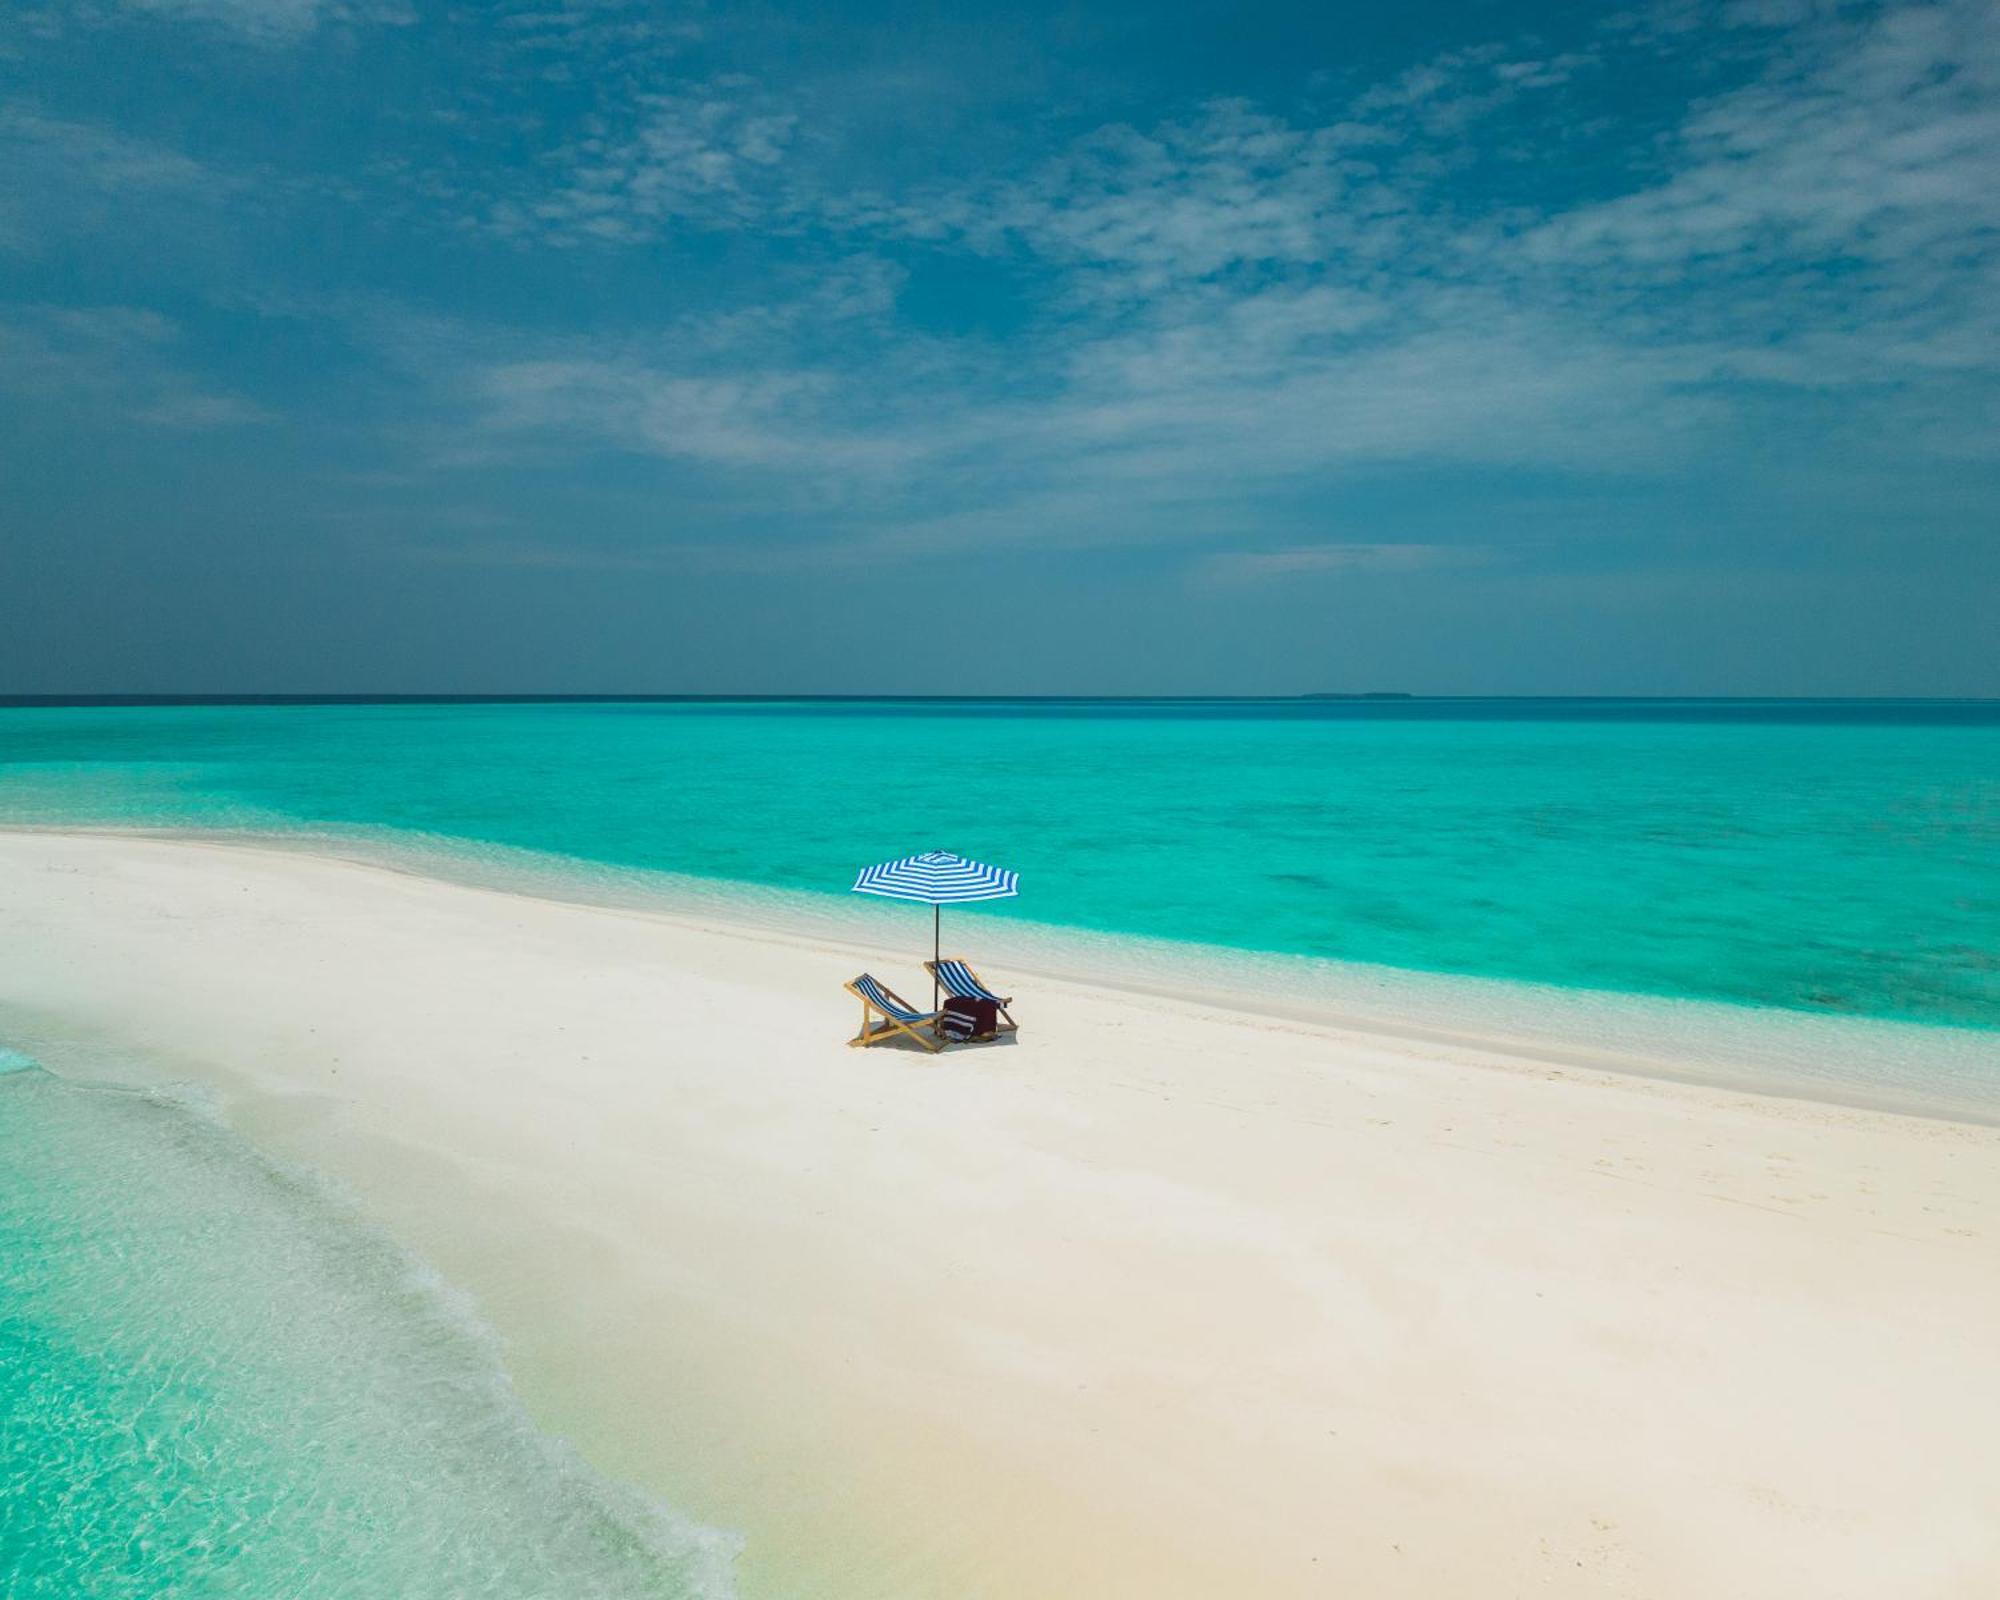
point(214, 1381)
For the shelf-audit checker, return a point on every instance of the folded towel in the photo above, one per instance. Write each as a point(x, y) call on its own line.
point(964, 1018)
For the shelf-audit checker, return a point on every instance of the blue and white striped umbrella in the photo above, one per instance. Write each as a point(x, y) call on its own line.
point(937, 878)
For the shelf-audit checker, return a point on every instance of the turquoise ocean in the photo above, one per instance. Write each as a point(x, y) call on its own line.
point(1815, 883)
point(1828, 857)
point(215, 1380)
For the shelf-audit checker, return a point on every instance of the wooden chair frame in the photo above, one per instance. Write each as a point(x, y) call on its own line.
point(1007, 1023)
point(890, 1026)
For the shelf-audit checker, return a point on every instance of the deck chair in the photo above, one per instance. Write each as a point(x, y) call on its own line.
point(898, 1016)
point(959, 980)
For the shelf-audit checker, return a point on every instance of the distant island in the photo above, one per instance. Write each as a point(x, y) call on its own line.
point(1379, 694)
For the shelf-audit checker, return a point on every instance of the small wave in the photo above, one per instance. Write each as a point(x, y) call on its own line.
point(218, 1378)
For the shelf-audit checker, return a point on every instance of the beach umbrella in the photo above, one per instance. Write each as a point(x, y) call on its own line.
point(937, 879)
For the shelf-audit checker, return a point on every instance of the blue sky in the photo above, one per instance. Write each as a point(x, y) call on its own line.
point(383, 345)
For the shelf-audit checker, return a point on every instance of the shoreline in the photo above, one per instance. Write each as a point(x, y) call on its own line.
point(1947, 1071)
point(1162, 1299)
point(217, 1342)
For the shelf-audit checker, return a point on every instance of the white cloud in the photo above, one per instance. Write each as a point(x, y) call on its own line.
point(838, 296)
point(1307, 560)
point(58, 176)
point(122, 360)
point(1869, 142)
point(1447, 95)
point(277, 21)
point(662, 400)
point(705, 152)
point(736, 419)
point(196, 411)
point(1136, 213)
point(92, 156)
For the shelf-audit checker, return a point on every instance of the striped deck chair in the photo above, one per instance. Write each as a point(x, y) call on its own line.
point(898, 1016)
point(960, 980)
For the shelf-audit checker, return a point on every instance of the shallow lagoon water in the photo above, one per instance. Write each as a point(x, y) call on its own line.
point(215, 1379)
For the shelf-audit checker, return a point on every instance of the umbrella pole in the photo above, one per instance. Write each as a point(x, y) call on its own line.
point(937, 913)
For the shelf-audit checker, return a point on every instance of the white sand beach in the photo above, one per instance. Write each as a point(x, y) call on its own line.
point(1158, 1300)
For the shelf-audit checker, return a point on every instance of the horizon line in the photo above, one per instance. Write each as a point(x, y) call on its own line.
point(1378, 697)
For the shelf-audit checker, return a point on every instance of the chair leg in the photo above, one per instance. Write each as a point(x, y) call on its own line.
point(889, 1029)
point(865, 1037)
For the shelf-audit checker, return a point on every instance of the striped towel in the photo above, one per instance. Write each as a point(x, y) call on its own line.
point(968, 1019)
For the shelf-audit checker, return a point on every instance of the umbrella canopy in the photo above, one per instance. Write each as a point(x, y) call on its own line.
point(937, 878)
